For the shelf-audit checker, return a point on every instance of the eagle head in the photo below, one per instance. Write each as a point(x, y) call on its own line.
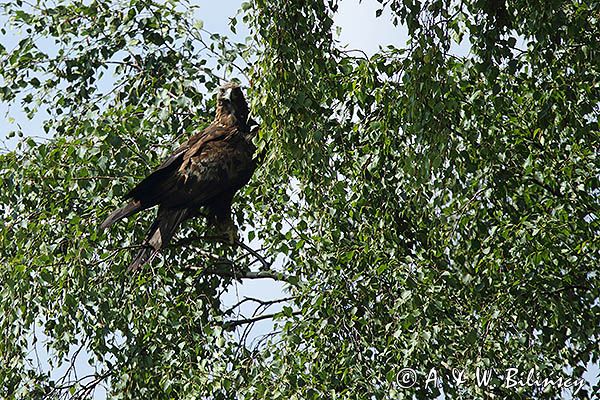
point(231, 102)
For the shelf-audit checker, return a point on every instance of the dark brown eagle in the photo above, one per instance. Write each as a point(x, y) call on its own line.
point(204, 172)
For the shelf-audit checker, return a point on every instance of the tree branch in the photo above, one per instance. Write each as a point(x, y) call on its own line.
point(261, 302)
point(266, 265)
point(566, 288)
point(230, 272)
point(230, 325)
point(194, 238)
point(216, 238)
point(545, 186)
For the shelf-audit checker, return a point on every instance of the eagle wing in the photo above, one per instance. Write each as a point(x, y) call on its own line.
point(167, 178)
point(196, 172)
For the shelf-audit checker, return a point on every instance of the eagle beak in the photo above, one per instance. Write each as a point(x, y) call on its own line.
point(227, 94)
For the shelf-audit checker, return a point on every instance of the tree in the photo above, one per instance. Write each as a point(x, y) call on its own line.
point(431, 210)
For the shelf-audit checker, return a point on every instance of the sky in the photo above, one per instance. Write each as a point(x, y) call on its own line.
point(360, 29)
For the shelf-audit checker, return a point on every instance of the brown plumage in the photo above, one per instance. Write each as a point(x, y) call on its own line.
point(206, 171)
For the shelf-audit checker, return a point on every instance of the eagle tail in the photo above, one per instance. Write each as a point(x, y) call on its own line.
point(130, 208)
point(160, 233)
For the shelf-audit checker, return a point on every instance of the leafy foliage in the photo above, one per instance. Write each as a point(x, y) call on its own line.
point(428, 209)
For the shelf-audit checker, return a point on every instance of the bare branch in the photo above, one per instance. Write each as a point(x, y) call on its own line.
point(266, 265)
point(230, 325)
point(222, 239)
point(194, 238)
point(229, 271)
point(261, 302)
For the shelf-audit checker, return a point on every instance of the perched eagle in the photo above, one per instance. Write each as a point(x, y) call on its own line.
point(204, 172)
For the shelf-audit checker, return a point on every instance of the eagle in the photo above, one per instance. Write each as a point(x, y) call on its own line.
point(204, 173)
